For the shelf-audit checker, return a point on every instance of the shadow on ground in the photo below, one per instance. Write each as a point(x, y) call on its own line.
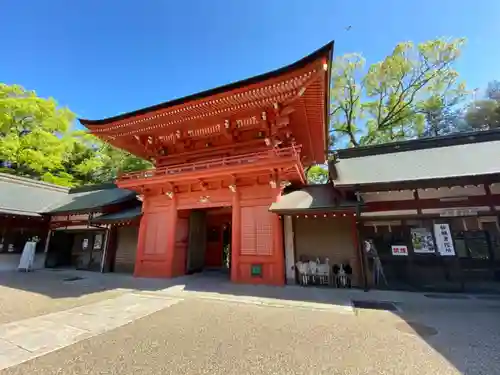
point(464, 329)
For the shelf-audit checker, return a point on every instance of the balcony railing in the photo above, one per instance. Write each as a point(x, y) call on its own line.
point(292, 152)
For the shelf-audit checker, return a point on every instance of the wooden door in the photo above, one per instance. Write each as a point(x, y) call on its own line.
point(197, 241)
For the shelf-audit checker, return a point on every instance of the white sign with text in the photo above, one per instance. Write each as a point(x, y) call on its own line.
point(444, 241)
point(399, 250)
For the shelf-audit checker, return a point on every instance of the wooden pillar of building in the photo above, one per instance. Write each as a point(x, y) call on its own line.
point(141, 243)
point(278, 251)
point(171, 231)
point(279, 243)
point(288, 232)
point(235, 236)
point(359, 248)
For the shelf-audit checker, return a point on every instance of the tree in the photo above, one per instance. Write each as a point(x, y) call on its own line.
point(484, 114)
point(116, 161)
point(317, 174)
point(390, 100)
point(33, 132)
point(443, 113)
point(37, 141)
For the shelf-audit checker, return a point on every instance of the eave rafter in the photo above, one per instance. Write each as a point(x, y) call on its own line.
point(264, 95)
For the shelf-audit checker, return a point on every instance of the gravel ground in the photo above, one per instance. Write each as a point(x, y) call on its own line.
point(201, 336)
point(28, 295)
point(213, 337)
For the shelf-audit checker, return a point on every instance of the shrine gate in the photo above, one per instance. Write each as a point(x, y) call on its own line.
point(223, 156)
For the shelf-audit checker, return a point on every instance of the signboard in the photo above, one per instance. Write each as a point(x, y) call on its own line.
point(459, 212)
point(444, 241)
point(422, 241)
point(98, 241)
point(399, 250)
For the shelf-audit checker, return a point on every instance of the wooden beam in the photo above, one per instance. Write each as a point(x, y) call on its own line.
point(487, 190)
point(163, 160)
point(471, 201)
point(417, 199)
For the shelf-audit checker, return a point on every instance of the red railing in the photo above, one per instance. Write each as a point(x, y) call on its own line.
point(276, 153)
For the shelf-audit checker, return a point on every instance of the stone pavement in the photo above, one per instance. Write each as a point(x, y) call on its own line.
point(417, 316)
point(30, 338)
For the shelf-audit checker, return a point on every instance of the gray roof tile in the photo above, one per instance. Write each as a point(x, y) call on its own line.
point(474, 159)
point(23, 196)
point(123, 215)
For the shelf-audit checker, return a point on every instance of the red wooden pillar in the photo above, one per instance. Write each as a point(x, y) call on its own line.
point(278, 246)
point(235, 237)
point(141, 241)
point(171, 237)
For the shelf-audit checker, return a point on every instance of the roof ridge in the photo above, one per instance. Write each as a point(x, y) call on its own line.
point(449, 140)
point(31, 182)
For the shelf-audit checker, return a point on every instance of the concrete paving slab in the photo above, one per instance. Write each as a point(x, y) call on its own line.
point(42, 335)
point(26, 339)
point(344, 307)
point(11, 354)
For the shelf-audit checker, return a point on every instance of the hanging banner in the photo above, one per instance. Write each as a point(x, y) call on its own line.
point(444, 241)
point(399, 250)
point(422, 241)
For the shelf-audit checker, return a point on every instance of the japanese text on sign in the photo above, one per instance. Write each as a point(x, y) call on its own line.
point(399, 250)
point(444, 241)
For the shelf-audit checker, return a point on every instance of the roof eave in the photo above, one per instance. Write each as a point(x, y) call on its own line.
point(328, 79)
point(420, 183)
point(325, 51)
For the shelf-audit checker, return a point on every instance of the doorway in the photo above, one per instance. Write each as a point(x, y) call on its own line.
point(209, 241)
point(76, 249)
point(59, 251)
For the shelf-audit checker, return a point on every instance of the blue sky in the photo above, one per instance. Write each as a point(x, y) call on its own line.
point(102, 58)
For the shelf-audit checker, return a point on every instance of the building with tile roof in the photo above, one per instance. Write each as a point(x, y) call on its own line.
point(62, 220)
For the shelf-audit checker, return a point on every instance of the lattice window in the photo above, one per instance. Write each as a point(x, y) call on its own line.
point(248, 240)
point(257, 231)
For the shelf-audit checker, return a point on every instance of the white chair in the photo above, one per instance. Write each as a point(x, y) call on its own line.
point(313, 270)
point(323, 270)
point(303, 270)
point(342, 280)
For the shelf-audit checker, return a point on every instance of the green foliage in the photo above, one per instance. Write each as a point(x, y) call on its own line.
point(484, 114)
point(393, 98)
point(317, 174)
point(116, 161)
point(32, 129)
point(37, 141)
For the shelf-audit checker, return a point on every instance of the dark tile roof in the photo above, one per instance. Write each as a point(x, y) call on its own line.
point(90, 198)
point(116, 217)
point(314, 198)
point(23, 196)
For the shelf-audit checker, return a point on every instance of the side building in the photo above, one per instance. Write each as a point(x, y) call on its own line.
point(89, 227)
point(428, 211)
